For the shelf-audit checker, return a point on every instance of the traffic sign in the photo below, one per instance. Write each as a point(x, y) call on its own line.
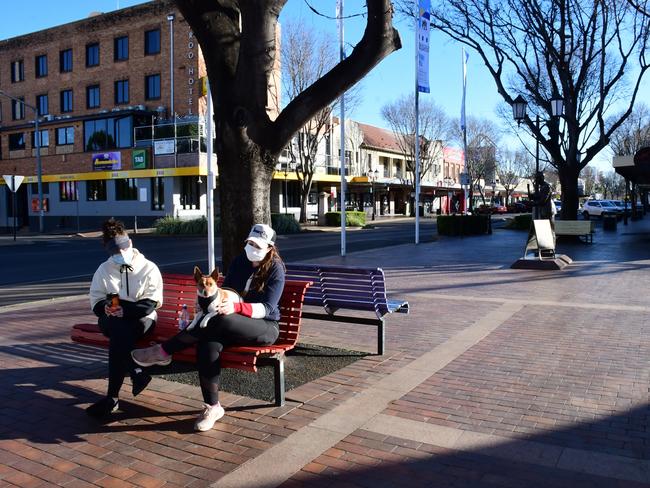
point(13, 181)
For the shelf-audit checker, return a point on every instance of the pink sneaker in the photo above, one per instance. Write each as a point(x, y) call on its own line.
point(150, 356)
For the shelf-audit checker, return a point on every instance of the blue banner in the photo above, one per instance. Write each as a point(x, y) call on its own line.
point(423, 28)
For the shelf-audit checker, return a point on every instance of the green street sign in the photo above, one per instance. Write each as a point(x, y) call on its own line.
point(140, 159)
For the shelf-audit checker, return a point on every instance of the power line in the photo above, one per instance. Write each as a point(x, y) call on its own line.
point(331, 17)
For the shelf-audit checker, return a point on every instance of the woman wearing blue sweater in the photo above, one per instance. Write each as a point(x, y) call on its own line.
point(258, 276)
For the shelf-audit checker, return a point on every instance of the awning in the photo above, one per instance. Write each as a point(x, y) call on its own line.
point(639, 172)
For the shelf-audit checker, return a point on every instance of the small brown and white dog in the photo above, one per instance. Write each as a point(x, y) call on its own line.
point(209, 297)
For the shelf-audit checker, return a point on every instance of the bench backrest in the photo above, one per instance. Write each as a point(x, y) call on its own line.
point(340, 287)
point(179, 290)
point(585, 226)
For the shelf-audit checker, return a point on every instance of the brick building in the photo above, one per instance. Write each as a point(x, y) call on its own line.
point(105, 93)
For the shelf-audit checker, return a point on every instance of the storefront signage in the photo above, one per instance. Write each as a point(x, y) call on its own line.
point(163, 146)
point(140, 158)
point(107, 161)
point(191, 73)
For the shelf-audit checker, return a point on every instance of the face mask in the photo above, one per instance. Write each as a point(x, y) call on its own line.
point(124, 257)
point(254, 254)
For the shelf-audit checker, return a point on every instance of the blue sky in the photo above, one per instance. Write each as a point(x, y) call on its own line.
point(392, 78)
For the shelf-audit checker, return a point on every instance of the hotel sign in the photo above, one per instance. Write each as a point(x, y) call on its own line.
point(108, 161)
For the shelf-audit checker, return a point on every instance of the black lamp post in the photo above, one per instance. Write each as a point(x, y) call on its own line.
point(519, 106)
point(373, 175)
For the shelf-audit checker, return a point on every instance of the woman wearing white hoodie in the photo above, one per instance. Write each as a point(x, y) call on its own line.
point(137, 285)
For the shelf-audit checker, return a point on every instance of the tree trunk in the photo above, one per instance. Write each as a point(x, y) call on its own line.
point(246, 167)
point(569, 181)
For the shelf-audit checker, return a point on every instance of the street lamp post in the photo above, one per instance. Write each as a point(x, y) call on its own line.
point(519, 106)
point(448, 182)
point(373, 175)
point(287, 166)
point(39, 169)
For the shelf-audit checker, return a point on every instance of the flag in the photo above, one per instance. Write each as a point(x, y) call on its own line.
point(423, 28)
point(462, 106)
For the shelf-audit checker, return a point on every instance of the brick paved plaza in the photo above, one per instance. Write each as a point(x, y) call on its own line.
point(497, 378)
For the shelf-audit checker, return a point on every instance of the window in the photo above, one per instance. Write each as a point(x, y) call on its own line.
point(190, 193)
point(44, 185)
point(92, 96)
point(66, 101)
point(68, 191)
point(152, 87)
point(126, 189)
point(121, 48)
point(17, 71)
point(152, 42)
point(44, 140)
point(18, 109)
point(157, 194)
point(64, 136)
point(17, 141)
point(108, 133)
point(42, 104)
point(121, 91)
point(92, 54)
point(41, 66)
point(96, 190)
point(65, 61)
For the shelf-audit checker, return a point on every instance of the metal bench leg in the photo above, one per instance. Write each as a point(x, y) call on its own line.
point(278, 377)
point(381, 337)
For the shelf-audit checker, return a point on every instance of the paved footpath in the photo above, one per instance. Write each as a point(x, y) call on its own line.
point(497, 378)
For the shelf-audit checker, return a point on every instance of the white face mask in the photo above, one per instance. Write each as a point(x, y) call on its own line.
point(124, 257)
point(254, 254)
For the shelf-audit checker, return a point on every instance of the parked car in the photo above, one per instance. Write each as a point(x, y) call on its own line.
point(598, 208)
point(620, 206)
point(499, 209)
point(483, 209)
point(520, 207)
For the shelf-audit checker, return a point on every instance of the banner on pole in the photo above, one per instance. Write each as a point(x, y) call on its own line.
point(423, 28)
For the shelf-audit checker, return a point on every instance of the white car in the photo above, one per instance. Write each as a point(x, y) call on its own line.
point(598, 208)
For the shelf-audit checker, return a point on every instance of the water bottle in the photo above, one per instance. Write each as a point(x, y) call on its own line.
point(183, 318)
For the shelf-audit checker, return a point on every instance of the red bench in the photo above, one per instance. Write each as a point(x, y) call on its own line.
point(179, 290)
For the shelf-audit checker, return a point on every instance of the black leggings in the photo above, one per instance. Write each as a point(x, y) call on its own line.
point(221, 331)
point(123, 334)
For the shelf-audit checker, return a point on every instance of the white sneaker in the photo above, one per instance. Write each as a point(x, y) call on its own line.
point(210, 415)
point(151, 356)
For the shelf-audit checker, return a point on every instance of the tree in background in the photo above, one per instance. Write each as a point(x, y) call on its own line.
point(590, 54)
point(611, 185)
point(633, 134)
point(433, 130)
point(306, 56)
point(480, 161)
point(589, 175)
point(238, 40)
point(512, 168)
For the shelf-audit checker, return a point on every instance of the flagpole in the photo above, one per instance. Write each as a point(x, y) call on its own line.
point(417, 134)
point(463, 125)
point(342, 143)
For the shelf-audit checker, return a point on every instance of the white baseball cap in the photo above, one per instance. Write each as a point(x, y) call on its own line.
point(262, 235)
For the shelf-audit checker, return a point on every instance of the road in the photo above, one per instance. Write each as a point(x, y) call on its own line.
point(63, 266)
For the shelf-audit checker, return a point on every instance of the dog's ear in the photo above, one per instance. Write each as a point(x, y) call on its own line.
point(215, 274)
point(197, 273)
